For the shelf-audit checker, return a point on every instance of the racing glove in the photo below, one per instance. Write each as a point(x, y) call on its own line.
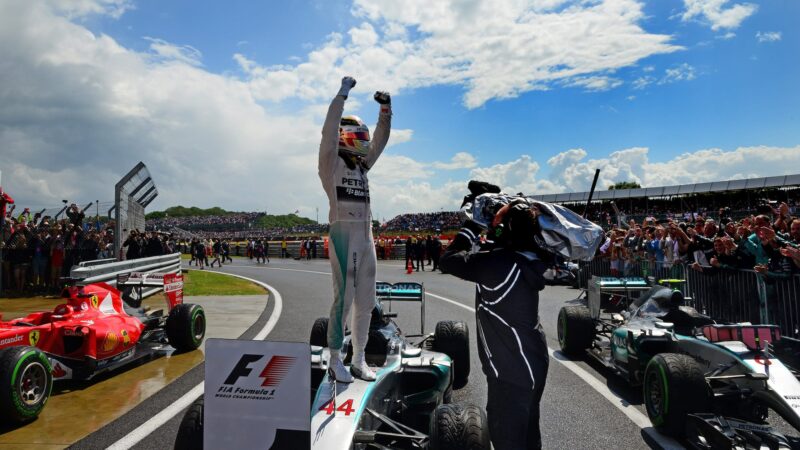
point(347, 84)
point(383, 97)
point(468, 238)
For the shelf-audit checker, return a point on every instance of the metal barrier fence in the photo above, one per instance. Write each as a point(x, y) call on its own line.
point(108, 272)
point(724, 295)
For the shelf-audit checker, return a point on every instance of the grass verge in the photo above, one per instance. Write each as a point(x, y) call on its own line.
point(199, 282)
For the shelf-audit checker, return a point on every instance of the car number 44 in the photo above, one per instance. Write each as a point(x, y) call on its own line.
point(346, 407)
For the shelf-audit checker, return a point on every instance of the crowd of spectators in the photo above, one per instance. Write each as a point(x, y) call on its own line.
point(201, 250)
point(38, 249)
point(250, 233)
point(436, 221)
point(140, 244)
point(767, 242)
point(221, 222)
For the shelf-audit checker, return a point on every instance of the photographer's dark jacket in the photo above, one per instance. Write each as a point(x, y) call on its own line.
point(511, 342)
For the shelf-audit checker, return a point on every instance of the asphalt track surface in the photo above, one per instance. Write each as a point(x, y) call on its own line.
point(584, 405)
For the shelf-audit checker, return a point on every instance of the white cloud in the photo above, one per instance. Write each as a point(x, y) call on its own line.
point(595, 83)
point(643, 82)
point(167, 51)
point(727, 36)
point(570, 172)
point(84, 109)
point(495, 50)
point(683, 72)
point(716, 13)
point(82, 8)
point(397, 136)
point(461, 160)
point(768, 36)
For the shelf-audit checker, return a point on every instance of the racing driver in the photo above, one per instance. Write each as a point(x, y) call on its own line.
point(511, 342)
point(346, 154)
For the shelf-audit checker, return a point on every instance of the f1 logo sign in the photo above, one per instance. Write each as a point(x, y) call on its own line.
point(276, 369)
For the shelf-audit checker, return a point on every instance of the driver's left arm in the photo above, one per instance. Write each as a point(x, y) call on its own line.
point(381, 135)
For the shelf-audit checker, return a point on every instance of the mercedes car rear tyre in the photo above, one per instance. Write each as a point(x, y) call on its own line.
point(452, 338)
point(674, 386)
point(575, 329)
point(459, 427)
point(186, 327)
point(190, 431)
point(26, 379)
point(319, 332)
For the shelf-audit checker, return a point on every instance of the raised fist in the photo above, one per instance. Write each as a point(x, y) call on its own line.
point(347, 84)
point(383, 97)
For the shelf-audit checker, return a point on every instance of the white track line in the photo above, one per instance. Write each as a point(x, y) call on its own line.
point(152, 424)
point(629, 410)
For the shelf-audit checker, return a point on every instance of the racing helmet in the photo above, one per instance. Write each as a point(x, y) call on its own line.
point(353, 136)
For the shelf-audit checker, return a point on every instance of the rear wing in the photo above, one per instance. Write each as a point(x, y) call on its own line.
point(135, 282)
point(405, 291)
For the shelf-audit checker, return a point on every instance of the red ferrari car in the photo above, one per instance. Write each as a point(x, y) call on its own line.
point(95, 331)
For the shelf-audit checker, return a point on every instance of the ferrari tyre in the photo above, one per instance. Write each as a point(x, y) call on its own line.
point(190, 431)
point(575, 329)
point(459, 427)
point(319, 332)
point(674, 386)
point(26, 379)
point(452, 338)
point(186, 327)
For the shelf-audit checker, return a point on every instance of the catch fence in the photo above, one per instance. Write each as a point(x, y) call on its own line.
point(725, 295)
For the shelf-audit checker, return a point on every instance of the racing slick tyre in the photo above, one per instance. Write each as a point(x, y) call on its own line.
point(674, 386)
point(319, 332)
point(186, 327)
point(452, 338)
point(26, 379)
point(457, 427)
point(575, 329)
point(190, 431)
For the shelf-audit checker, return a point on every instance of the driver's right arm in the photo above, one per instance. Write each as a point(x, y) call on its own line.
point(328, 147)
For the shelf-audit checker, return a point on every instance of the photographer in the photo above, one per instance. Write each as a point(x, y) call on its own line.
point(513, 351)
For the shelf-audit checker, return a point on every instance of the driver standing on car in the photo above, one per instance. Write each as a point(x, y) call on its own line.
point(346, 154)
point(511, 342)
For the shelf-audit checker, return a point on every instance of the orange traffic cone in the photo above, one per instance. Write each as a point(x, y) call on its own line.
point(409, 267)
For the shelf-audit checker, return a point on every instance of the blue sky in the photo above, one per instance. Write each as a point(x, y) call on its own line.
point(531, 95)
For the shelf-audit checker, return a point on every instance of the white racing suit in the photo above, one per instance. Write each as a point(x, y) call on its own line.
point(352, 252)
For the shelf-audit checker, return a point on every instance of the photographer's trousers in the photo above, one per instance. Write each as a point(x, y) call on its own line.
point(353, 265)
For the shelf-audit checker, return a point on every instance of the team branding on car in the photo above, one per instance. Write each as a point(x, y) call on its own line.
point(110, 342)
point(11, 340)
point(33, 337)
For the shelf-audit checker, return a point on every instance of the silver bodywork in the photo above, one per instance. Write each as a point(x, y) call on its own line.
point(334, 426)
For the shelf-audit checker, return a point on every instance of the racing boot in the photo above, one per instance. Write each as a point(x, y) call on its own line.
point(360, 369)
point(337, 370)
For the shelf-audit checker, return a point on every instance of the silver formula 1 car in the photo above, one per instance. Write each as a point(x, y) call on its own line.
point(713, 385)
point(407, 407)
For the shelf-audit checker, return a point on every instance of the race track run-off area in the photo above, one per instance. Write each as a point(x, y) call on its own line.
point(584, 405)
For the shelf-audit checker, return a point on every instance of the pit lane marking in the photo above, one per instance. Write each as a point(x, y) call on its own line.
point(629, 410)
point(152, 424)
